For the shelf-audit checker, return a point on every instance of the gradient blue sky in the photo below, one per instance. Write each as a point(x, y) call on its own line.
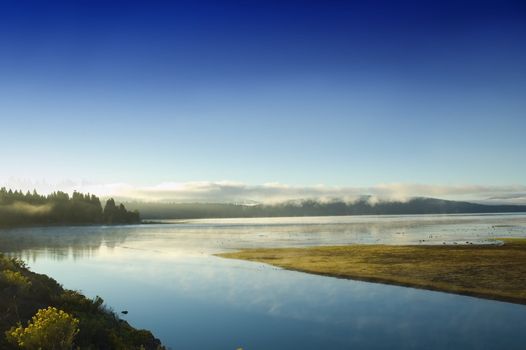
point(342, 93)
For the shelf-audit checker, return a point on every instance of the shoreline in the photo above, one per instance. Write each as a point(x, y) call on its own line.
point(467, 213)
point(494, 272)
point(24, 292)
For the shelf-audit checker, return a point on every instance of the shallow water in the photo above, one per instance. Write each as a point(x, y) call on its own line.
point(168, 280)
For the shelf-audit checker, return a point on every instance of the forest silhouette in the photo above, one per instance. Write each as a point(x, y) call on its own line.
point(59, 208)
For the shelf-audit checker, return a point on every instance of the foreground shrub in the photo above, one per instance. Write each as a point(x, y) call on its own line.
point(15, 278)
point(49, 329)
point(11, 263)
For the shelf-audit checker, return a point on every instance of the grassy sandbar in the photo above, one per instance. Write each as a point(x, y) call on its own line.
point(487, 271)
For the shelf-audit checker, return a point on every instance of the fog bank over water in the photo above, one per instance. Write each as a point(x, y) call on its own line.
point(275, 192)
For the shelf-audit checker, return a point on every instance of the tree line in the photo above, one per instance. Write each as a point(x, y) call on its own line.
point(59, 208)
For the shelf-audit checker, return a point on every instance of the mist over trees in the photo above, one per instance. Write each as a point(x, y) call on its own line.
point(59, 208)
point(315, 208)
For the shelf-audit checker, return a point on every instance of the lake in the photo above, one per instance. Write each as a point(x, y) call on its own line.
point(166, 276)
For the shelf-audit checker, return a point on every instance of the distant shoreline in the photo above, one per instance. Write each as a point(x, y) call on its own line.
point(496, 272)
point(164, 221)
point(155, 222)
point(65, 225)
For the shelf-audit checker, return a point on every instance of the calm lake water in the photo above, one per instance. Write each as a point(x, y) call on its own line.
point(167, 278)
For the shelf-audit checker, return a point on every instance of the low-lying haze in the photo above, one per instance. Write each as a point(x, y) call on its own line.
point(236, 192)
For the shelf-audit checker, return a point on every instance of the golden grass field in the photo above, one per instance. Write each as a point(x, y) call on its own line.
point(487, 271)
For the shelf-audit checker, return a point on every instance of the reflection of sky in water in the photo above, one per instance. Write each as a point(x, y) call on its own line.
point(165, 276)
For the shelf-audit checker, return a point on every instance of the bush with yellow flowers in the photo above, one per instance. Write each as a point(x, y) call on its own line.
point(49, 329)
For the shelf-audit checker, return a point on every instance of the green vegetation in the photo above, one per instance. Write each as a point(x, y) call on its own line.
point(35, 311)
point(315, 208)
point(487, 271)
point(58, 208)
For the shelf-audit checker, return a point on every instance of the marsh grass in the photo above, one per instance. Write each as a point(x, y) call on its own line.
point(487, 271)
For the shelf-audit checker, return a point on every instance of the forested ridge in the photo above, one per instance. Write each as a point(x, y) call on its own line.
point(59, 208)
point(316, 208)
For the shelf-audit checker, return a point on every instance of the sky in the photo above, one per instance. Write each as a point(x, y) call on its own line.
point(314, 97)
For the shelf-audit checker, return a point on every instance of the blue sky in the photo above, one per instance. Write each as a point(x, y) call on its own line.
point(340, 93)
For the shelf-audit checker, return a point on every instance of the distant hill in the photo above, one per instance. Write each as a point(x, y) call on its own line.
point(315, 208)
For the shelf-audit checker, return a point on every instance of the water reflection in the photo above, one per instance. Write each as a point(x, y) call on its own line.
point(167, 278)
point(60, 243)
point(203, 302)
point(199, 237)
